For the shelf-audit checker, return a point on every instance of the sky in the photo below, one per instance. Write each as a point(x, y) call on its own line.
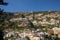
point(31, 5)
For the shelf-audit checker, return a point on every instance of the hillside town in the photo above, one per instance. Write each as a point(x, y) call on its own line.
point(32, 25)
point(43, 25)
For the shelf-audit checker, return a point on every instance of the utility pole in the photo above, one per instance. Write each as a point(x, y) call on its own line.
point(33, 15)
